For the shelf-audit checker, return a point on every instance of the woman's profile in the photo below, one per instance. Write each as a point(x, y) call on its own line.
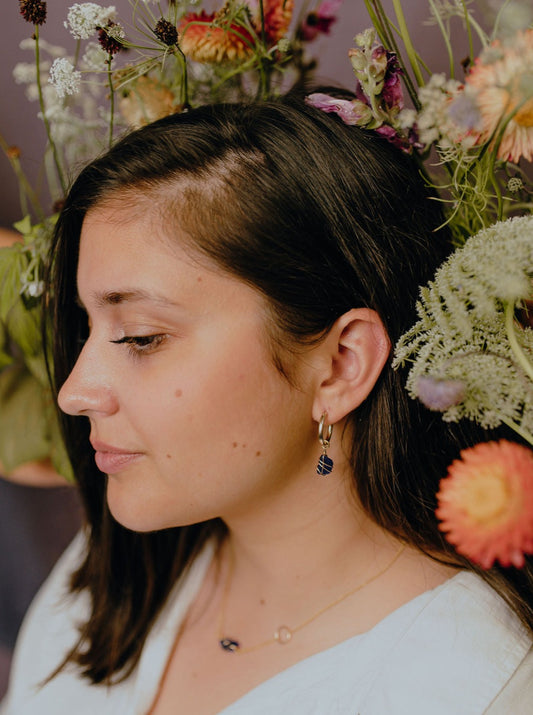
point(226, 288)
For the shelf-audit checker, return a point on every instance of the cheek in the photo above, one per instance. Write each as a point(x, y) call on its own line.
point(223, 408)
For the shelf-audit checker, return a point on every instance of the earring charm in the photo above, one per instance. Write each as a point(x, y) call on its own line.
point(325, 463)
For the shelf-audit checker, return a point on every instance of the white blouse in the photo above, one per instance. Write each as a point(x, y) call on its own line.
point(454, 650)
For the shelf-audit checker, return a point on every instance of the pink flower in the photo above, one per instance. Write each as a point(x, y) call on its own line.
point(501, 81)
point(320, 20)
point(485, 504)
point(350, 111)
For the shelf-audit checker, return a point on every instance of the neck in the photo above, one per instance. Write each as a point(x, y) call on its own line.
point(323, 534)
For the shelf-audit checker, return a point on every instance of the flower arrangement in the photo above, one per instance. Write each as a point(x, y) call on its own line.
point(471, 350)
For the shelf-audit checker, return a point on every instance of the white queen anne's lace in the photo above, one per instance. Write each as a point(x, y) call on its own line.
point(64, 77)
point(83, 18)
point(465, 316)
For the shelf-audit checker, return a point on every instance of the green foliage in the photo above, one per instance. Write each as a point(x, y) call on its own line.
point(29, 428)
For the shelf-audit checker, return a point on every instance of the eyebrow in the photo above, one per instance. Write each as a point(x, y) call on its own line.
point(128, 295)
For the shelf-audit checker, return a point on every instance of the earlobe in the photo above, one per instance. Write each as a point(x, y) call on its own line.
point(355, 352)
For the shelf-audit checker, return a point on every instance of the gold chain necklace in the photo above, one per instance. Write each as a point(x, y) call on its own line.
point(284, 634)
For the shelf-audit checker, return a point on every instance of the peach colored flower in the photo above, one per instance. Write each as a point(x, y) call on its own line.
point(145, 101)
point(485, 504)
point(203, 42)
point(502, 79)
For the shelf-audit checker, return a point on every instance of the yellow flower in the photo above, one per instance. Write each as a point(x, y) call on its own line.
point(485, 504)
point(502, 79)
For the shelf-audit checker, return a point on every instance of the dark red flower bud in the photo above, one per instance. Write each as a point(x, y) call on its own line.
point(110, 39)
point(33, 11)
point(166, 32)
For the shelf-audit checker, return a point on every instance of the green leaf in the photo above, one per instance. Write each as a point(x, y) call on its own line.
point(12, 264)
point(24, 434)
point(23, 326)
point(24, 225)
point(5, 355)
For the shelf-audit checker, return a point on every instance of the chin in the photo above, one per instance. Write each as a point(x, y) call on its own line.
point(138, 513)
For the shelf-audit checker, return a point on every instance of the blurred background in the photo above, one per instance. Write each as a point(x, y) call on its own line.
point(36, 523)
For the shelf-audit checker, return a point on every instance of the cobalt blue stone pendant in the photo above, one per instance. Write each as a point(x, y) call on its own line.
point(229, 645)
point(325, 464)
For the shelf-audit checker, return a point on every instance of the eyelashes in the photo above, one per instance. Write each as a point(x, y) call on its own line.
point(141, 344)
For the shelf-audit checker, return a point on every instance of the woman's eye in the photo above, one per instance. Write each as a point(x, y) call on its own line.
point(141, 344)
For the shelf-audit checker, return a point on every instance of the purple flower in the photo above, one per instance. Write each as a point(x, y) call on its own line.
point(438, 394)
point(464, 112)
point(392, 87)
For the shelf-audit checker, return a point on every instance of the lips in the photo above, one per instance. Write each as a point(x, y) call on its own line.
point(112, 460)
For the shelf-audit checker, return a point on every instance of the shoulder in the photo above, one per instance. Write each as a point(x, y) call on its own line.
point(516, 696)
point(456, 648)
point(49, 628)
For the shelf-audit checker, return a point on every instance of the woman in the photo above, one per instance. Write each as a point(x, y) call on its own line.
point(226, 288)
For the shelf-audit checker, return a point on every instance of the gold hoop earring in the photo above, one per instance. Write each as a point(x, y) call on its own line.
point(325, 463)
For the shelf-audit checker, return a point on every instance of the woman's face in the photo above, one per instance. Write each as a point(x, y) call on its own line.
point(189, 417)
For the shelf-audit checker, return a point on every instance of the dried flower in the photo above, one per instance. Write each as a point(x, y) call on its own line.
point(278, 15)
point(379, 95)
point(111, 38)
point(209, 38)
point(446, 115)
point(203, 41)
point(351, 111)
point(502, 80)
point(145, 101)
point(33, 11)
point(166, 32)
point(64, 77)
point(485, 504)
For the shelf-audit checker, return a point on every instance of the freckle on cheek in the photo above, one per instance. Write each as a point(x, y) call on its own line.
point(235, 444)
point(169, 456)
point(178, 393)
point(258, 454)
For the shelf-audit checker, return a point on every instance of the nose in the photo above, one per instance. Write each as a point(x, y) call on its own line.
point(88, 389)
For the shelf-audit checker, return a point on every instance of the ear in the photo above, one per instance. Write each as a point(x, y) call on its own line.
point(352, 358)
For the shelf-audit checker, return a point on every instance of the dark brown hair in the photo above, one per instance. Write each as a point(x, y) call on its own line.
point(320, 218)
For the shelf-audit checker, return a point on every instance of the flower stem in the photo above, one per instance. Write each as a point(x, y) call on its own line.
point(185, 81)
point(445, 37)
point(519, 353)
point(111, 99)
point(25, 186)
point(404, 32)
point(383, 27)
point(51, 142)
point(519, 430)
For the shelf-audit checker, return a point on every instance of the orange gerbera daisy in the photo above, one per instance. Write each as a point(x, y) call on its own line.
point(203, 42)
point(503, 82)
point(485, 504)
